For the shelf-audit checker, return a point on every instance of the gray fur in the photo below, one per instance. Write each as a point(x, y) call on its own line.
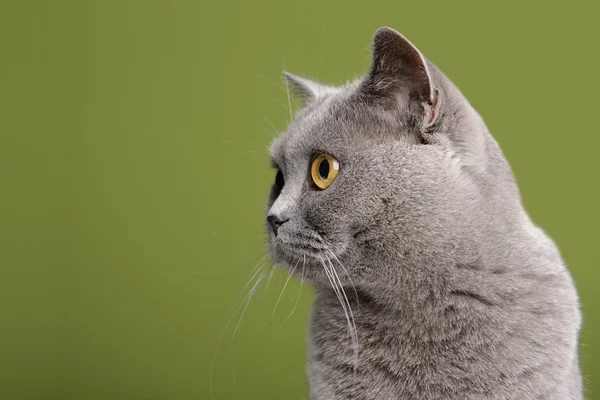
point(455, 293)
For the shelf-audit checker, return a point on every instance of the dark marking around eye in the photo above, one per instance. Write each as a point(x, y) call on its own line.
point(279, 181)
point(324, 169)
point(277, 185)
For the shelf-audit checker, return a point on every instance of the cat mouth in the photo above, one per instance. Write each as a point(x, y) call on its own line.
point(289, 248)
point(309, 260)
point(303, 247)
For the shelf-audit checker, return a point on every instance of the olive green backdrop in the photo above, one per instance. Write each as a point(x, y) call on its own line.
point(134, 171)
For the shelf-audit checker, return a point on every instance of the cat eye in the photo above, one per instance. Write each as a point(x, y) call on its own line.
point(324, 170)
point(279, 181)
point(277, 185)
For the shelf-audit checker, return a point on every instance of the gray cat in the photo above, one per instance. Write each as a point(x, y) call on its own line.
point(394, 201)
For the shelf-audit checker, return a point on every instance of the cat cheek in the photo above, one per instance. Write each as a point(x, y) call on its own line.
point(326, 220)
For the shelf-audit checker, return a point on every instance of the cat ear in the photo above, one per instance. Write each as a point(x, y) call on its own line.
point(305, 88)
point(400, 77)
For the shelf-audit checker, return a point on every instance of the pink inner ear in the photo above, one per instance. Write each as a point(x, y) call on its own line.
point(431, 109)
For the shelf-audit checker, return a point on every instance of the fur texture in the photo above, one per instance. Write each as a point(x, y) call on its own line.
point(453, 292)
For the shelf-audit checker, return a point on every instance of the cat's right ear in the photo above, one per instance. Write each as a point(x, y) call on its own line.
point(400, 79)
point(306, 89)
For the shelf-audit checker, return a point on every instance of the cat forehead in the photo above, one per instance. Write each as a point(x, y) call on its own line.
point(334, 126)
point(335, 122)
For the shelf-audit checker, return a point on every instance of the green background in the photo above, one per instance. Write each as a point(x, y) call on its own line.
point(134, 172)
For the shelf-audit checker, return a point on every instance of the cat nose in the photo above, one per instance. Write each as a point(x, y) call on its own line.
point(275, 222)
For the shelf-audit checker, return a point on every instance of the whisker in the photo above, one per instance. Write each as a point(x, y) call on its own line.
point(255, 271)
point(258, 269)
point(272, 126)
point(272, 97)
point(275, 83)
point(287, 89)
point(284, 286)
point(270, 277)
point(330, 275)
point(299, 292)
point(248, 299)
point(345, 271)
point(351, 320)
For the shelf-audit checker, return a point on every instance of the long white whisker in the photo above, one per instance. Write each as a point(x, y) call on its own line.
point(341, 292)
point(276, 84)
point(270, 270)
point(284, 286)
point(287, 89)
point(270, 277)
point(299, 292)
point(343, 299)
point(259, 267)
point(272, 126)
point(322, 17)
point(248, 299)
point(334, 285)
point(345, 271)
point(329, 277)
point(272, 97)
point(351, 320)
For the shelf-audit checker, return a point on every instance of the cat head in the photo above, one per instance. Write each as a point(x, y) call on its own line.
point(382, 175)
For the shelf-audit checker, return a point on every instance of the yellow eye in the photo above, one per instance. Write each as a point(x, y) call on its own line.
point(323, 170)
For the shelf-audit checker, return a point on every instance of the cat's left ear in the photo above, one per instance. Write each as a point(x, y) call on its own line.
point(306, 89)
point(400, 78)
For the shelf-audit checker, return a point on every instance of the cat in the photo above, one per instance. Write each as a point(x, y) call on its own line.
point(431, 281)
